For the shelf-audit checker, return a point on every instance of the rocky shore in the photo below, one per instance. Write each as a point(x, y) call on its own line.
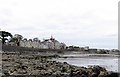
point(33, 65)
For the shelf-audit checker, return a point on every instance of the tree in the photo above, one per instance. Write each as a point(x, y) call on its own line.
point(35, 39)
point(16, 39)
point(18, 36)
point(4, 36)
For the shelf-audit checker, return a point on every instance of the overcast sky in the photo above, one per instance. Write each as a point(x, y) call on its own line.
point(91, 23)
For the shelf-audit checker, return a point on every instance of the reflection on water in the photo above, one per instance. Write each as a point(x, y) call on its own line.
point(110, 63)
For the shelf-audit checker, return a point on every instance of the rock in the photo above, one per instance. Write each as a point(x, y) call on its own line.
point(31, 64)
point(35, 72)
point(94, 75)
point(57, 73)
point(83, 75)
point(14, 73)
point(5, 72)
point(113, 75)
point(102, 74)
point(21, 71)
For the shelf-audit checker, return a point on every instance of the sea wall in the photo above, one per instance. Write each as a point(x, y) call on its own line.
point(17, 48)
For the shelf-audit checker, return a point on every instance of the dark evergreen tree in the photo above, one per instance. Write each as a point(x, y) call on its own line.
point(4, 36)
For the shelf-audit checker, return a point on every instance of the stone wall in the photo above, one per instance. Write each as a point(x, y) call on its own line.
point(9, 48)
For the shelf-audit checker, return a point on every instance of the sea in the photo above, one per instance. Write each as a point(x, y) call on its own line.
point(110, 62)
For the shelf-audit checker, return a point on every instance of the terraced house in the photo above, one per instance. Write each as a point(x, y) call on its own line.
point(51, 43)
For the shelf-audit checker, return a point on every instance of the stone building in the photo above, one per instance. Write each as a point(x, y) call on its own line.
point(45, 44)
point(52, 44)
point(30, 43)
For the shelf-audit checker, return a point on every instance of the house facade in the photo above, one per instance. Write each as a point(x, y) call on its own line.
point(45, 44)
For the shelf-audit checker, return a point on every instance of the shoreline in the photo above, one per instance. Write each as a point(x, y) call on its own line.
point(21, 64)
point(87, 55)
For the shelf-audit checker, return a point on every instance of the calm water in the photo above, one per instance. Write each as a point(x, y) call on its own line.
point(110, 63)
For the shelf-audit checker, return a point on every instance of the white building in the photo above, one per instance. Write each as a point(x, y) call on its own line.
point(46, 44)
point(30, 43)
point(53, 44)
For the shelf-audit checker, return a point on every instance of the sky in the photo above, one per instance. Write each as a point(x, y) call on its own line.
point(92, 23)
